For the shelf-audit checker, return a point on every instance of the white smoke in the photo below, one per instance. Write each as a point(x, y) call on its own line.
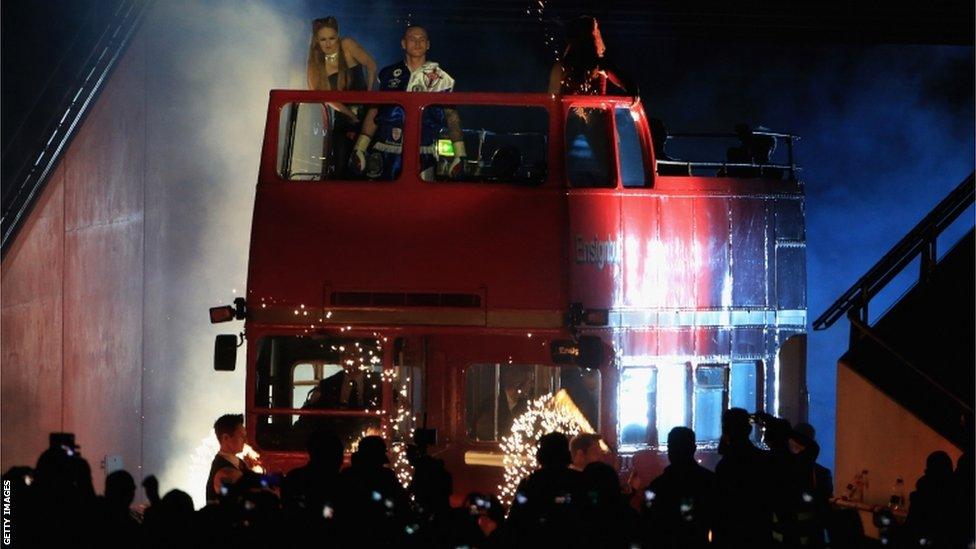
point(210, 67)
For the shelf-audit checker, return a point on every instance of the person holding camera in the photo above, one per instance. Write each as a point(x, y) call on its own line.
point(744, 516)
point(793, 500)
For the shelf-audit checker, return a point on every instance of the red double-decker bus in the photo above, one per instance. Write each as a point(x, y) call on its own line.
point(570, 252)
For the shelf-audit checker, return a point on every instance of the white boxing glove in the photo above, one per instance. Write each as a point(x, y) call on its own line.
point(357, 161)
point(455, 167)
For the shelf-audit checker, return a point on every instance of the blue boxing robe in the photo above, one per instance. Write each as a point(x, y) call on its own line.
point(385, 160)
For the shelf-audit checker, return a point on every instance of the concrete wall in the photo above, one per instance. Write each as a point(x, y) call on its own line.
point(31, 330)
point(877, 434)
point(144, 225)
point(72, 287)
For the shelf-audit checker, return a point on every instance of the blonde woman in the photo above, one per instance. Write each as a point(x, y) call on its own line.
point(337, 63)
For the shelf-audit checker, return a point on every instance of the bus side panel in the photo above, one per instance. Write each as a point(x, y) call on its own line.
point(595, 248)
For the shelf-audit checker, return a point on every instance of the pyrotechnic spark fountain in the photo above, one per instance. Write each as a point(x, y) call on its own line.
point(546, 414)
point(537, 9)
point(401, 426)
point(401, 429)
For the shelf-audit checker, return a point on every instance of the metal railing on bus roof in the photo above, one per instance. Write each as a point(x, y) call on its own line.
point(760, 169)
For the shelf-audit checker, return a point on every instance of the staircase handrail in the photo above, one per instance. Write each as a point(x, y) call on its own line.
point(32, 175)
point(919, 241)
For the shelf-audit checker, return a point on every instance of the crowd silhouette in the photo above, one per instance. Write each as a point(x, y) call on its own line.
point(768, 494)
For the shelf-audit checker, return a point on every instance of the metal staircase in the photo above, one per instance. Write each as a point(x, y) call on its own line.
point(921, 351)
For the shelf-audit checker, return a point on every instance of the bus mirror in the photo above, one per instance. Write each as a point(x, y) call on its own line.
point(226, 313)
point(590, 352)
point(225, 353)
point(221, 314)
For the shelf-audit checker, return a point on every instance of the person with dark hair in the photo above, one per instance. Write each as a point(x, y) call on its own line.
point(660, 135)
point(336, 63)
point(739, 154)
point(823, 479)
point(226, 466)
point(585, 69)
point(930, 511)
point(679, 506)
point(821, 485)
point(440, 524)
point(306, 490)
point(608, 520)
point(118, 526)
point(347, 389)
point(743, 489)
point(795, 521)
point(755, 150)
point(371, 498)
point(254, 511)
point(586, 448)
point(172, 522)
point(384, 125)
point(514, 394)
point(61, 488)
point(547, 506)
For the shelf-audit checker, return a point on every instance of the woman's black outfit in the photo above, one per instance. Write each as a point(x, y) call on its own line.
point(344, 128)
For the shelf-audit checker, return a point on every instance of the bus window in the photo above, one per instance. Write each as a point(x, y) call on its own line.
point(498, 393)
point(652, 400)
point(742, 385)
point(711, 399)
point(338, 374)
point(588, 161)
point(501, 144)
point(315, 143)
point(636, 406)
point(673, 400)
point(632, 172)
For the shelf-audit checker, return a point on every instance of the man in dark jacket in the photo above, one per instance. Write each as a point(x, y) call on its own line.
point(226, 467)
point(307, 489)
point(745, 519)
point(793, 501)
point(548, 503)
point(373, 507)
point(679, 505)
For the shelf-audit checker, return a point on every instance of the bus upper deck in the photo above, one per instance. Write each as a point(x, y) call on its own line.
point(553, 190)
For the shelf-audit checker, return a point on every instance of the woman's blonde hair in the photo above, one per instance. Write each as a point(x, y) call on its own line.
point(317, 77)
